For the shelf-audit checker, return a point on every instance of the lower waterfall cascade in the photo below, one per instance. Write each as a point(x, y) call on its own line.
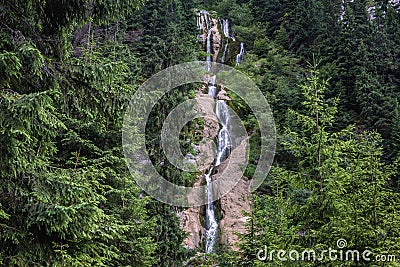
point(211, 220)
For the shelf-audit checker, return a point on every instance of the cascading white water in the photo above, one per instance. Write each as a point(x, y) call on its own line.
point(212, 88)
point(212, 224)
point(207, 29)
point(206, 16)
point(225, 50)
point(223, 150)
point(208, 58)
point(222, 112)
point(211, 220)
point(223, 140)
point(240, 56)
point(224, 143)
point(225, 29)
point(198, 21)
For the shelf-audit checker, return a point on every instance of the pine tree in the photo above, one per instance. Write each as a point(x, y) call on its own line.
point(338, 188)
point(67, 198)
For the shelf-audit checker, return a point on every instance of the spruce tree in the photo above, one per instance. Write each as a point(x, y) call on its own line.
point(338, 188)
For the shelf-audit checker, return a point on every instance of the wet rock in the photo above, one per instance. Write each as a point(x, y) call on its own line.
point(222, 94)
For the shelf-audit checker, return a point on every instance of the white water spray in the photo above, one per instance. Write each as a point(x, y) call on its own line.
point(212, 224)
point(223, 140)
point(240, 56)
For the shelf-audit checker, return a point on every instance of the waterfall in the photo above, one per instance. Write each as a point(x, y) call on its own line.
point(211, 220)
point(223, 150)
point(240, 56)
point(224, 142)
point(212, 225)
point(227, 33)
point(223, 139)
point(212, 88)
point(205, 24)
point(225, 28)
point(206, 18)
point(207, 30)
point(198, 21)
point(208, 59)
point(225, 50)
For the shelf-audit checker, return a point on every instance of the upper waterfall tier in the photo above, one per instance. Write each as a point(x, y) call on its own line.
point(218, 38)
point(226, 29)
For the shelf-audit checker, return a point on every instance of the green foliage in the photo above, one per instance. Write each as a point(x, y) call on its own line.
point(336, 188)
point(68, 69)
point(67, 198)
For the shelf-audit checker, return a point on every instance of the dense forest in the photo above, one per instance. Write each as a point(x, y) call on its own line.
point(330, 71)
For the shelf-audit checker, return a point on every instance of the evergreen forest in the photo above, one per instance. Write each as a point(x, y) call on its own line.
point(329, 69)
